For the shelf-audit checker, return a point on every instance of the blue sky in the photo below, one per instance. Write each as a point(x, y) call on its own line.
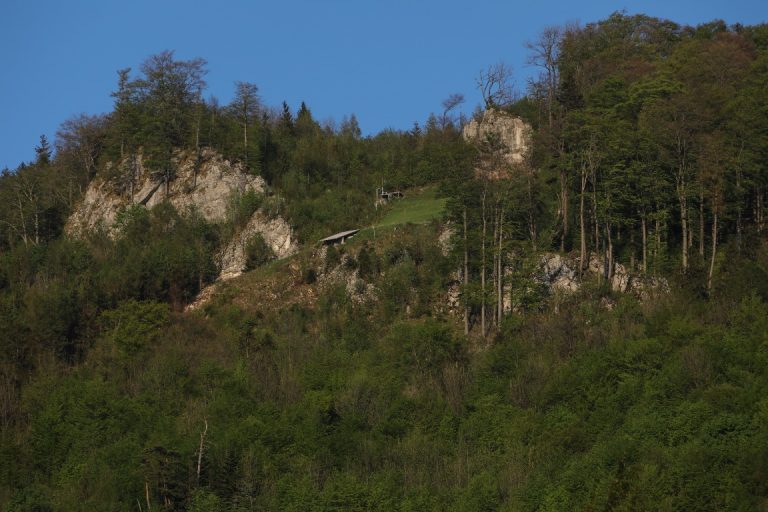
point(389, 62)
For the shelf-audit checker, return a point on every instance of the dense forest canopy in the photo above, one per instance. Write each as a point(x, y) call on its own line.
point(647, 152)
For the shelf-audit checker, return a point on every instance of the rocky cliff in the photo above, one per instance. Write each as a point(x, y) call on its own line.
point(561, 274)
point(513, 132)
point(277, 234)
point(206, 185)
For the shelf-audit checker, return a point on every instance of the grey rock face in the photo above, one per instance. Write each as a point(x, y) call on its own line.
point(208, 189)
point(512, 131)
point(561, 274)
point(277, 233)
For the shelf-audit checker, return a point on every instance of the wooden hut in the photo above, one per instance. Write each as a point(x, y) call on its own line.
point(339, 238)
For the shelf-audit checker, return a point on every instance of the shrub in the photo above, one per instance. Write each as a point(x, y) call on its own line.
point(242, 206)
point(257, 252)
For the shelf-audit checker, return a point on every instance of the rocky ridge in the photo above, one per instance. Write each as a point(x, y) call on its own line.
point(206, 186)
point(561, 274)
point(512, 131)
point(277, 233)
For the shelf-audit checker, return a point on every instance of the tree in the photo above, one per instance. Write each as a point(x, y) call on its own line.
point(544, 53)
point(449, 105)
point(80, 141)
point(496, 85)
point(168, 93)
point(43, 151)
point(245, 106)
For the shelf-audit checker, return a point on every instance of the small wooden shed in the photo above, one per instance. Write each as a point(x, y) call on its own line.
point(339, 238)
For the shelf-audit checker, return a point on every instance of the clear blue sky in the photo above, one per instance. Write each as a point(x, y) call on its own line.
point(389, 62)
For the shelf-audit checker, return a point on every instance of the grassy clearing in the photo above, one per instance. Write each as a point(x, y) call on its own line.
point(418, 207)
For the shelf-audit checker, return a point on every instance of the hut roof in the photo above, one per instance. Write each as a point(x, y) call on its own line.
point(339, 236)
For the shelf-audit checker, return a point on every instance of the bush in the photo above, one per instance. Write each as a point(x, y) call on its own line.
point(133, 325)
point(257, 252)
point(310, 276)
point(242, 206)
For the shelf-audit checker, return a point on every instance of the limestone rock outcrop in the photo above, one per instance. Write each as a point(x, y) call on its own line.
point(358, 290)
point(513, 132)
point(207, 188)
point(561, 274)
point(277, 234)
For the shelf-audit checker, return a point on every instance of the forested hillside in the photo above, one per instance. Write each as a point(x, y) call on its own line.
point(427, 363)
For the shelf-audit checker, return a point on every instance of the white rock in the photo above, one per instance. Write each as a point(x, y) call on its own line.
point(512, 131)
point(277, 234)
point(209, 192)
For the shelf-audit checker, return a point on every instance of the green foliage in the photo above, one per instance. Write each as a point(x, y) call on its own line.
point(241, 208)
point(134, 325)
point(292, 392)
point(257, 252)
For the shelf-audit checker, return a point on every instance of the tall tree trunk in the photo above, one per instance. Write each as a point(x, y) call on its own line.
point(132, 176)
point(22, 221)
point(37, 225)
point(564, 206)
point(657, 236)
point(500, 271)
point(582, 227)
point(608, 252)
point(714, 252)
point(495, 253)
point(683, 227)
point(200, 451)
point(701, 223)
point(596, 220)
point(466, 275)
point(531, 210)
point(245, 144)
point(738, 209)
point(482, 268)
point(644, 227)
point(198, 152)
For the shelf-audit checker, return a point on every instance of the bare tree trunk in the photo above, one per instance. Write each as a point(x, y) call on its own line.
point(595, 219)
point(531, 210)
point(531, 216)
point(146, 494)
point(37, 225)
point(582, 226)
point(564, 206)
point(644, 227)
point(132, 176)
point(690, 236)
point(198, 153)
point(701, 223)
point(657, 235)
point(495, 255)
point(683, 226)
point(245, 143)
point(22, 221)
point(466, 274)
point(200, 451)
point(714, 252)
point(738, 210)
point(482, 268)
point(500, 272)
point(609, 252)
